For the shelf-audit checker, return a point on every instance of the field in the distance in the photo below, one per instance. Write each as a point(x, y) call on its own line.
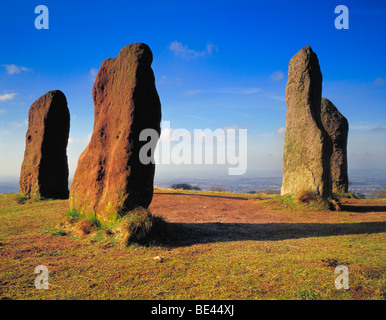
point(224, 246)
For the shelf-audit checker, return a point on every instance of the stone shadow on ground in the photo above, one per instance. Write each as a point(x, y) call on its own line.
point(361, 208)
point(185, 234)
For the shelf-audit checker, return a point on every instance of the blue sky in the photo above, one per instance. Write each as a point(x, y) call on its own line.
point(217, 64)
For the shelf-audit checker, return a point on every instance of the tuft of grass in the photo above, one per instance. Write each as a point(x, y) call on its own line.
point(287, 198)
point(20, 198)
point(59, 232)
point(303, 201)
point(140, 226)
point(136, 226)
point(73, 214)
point(330, 262)
point(312, 200)
point(349, 195)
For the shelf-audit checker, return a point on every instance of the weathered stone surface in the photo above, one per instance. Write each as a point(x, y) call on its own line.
point(337, 127)
point(44, 171)
point(307, 148)
point(110, 179)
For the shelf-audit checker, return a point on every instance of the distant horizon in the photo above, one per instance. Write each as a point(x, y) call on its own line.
point(257, 181)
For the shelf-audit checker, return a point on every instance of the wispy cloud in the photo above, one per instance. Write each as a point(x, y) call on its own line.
point(92, 74)
point(2, 111)
point(379, 129)
point(13, 69)
point(18, 124)
point(280, 132)
point(163, 79)
point(235, 90)
point(84, 140)
point(191, 92)
point(240, 90)
point(7, 96)
point(364, 126)
point(379, 82)
point(4, 134)
point(275, 97)
point(276, 76)
point(183, 51)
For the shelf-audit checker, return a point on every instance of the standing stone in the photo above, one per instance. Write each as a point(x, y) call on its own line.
point(307, 147)
point(44, 171)
point(110, 178)
point(336, 126)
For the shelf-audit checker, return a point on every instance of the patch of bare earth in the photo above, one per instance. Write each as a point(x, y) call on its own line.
point(200, 218)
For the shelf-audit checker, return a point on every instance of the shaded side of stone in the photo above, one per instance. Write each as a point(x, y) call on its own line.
point(337, 128)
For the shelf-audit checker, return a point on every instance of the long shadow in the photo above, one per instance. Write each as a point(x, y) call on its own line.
point(361, 208)
point(185, 234)
point(201, 195)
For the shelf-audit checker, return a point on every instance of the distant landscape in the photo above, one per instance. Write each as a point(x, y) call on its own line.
point(365, 182)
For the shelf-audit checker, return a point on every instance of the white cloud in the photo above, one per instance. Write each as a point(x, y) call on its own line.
point(235, 90)
point(18, 124)
point(163, 79)
point(276, 76)
point(379, 82)
point(367, 126)
point(7, 96)
point(191, 92)
point(4, 134)
point(210, 47)
point(84, 140)
point(275, 97)
point(241, 90)
point(281, 132)
point(379, 129)
point(2, 111)
point(13, 69)
point(183, 51)
point(92, 74)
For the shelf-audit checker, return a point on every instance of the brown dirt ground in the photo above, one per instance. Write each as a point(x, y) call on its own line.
point(206, 218)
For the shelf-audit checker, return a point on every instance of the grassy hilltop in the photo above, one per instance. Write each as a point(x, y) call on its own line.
point(220, 246)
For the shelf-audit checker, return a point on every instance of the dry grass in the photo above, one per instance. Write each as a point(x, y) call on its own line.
point(83, 228)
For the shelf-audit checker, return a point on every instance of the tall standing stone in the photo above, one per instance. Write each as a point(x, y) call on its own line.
point(110, 178)
point(307, 147)
point(336, 126)
point(44, 171)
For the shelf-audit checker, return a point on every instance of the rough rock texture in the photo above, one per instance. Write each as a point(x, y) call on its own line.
point(109, 178)
point(307, 147)
point(44, 171)
point(336, 126)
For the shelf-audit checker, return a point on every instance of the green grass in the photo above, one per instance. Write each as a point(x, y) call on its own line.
point(98, 268)
point(72, 213)
point(257, 196)
point(280, 202)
